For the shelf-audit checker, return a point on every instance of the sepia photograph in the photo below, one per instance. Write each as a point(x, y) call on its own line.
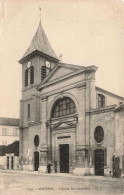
point(61, 97)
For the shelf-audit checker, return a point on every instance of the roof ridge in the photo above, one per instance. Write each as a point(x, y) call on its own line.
point(99, 88)
point(40, 43)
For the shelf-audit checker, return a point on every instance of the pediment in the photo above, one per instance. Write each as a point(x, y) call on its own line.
point(63, 125)
point(61, 71)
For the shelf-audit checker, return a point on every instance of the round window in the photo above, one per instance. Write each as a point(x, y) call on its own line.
point(99, 134)
point(36, 140)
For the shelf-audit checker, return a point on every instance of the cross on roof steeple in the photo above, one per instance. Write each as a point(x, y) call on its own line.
point(40, 13)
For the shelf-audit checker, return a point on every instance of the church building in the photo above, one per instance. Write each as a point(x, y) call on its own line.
point(67, 123)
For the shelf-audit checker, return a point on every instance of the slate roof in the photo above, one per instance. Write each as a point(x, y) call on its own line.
point(9, 121)
point(40, 43)
point(105, 91)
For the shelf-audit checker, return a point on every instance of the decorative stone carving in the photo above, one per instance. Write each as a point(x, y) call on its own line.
point(47, 123)
point(44, 98)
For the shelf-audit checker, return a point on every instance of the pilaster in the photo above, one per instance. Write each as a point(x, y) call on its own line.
point(44, 146)
point(43, 159)
point(81, 148)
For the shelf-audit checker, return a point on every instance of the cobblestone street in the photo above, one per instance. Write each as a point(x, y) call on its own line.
point(12, 183)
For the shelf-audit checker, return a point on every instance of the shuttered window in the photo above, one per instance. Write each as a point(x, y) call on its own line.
point(43, 72)
point(31, 74)
point(26, 77)
point(101, 100)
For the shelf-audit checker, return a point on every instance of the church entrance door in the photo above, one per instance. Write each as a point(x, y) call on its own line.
point(64, 158)
point(36, 161)
point(99, 162)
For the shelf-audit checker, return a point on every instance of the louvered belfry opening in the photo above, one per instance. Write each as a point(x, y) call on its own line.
point(31, 75)
point(43, 72)
point(26, 77)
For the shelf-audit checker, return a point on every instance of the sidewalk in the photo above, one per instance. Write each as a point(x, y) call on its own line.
point(65, 175)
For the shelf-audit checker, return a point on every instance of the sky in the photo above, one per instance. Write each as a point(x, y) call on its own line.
point(86, 32)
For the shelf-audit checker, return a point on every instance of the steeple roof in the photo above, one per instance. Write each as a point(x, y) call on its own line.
point(41, 44)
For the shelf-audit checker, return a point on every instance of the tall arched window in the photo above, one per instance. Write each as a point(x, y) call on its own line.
point(63, 107)
point(31, 74)
point(43, 72)
point(26, 77)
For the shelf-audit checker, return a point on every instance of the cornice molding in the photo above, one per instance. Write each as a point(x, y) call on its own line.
point(67, 76)
point(34, 53)
point(102, 110)
point(44, 98)
point(81, 85)
point(63, 89)
point(30, 124)
point(33, 123)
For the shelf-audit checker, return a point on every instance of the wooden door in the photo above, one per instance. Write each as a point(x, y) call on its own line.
point(64, 158)
point(36, 161)
point(99, 162)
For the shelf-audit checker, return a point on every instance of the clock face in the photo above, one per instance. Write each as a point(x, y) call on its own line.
point(47, 63)
point(29, 64)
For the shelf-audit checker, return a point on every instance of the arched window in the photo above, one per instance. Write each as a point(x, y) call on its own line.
point(26, 77)
point(63, 107)
point(99, 134)
point(36, 140)
point(31, 74)
point(43, 72)
point(101, 100)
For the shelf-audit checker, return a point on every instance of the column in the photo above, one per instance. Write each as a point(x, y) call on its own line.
point(90, 104)
point(44, 140)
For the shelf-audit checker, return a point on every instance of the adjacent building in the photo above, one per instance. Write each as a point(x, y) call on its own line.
point(9, 143)
point(9, 130)
point(67, 123)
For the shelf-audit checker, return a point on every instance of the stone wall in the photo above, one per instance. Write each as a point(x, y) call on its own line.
point(27, 146)
point(107, 122)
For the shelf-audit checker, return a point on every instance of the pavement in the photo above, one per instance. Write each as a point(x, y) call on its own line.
point(66, 175)
point(13, 182)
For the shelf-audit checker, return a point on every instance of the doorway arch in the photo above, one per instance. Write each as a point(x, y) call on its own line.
point(36, 161)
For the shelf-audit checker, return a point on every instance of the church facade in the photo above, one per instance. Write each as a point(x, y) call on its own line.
point(67, 124)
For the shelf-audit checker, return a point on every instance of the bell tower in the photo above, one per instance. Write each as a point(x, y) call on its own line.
point(37, 62)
